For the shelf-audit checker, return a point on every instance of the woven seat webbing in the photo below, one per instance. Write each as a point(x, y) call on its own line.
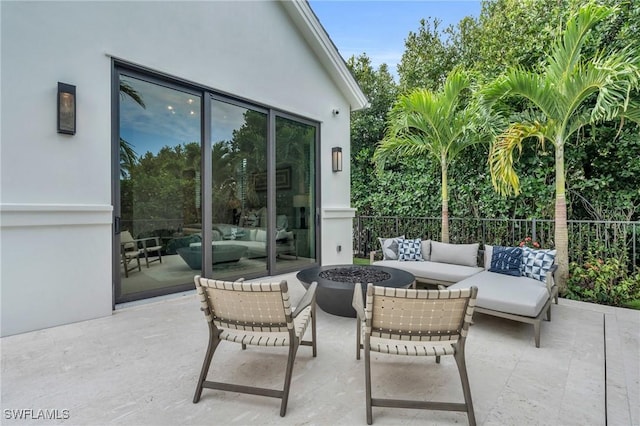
point(281, 338)
point(417, 315)
point(261, 307)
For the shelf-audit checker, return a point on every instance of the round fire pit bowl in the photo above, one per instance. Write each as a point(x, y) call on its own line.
point(336, 282)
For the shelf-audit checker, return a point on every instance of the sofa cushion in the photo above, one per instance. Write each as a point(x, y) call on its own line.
point(426, 249)
point(536, 263)
point(389, 247)
point(506, 260)
point(410, 250)
point(261, 235)
point(488, 253)
point(514, 295)
point(457, 254)
point(431, 271)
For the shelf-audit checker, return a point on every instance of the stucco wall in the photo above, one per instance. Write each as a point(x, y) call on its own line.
point(56, 190)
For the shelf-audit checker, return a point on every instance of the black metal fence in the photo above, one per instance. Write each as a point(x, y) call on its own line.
point(618, 239)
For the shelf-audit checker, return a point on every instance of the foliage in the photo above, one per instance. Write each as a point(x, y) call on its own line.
point(529, 242)
point(603, 281)
point(430, 55)
point(514, 32)
point(367, 127)
point(597, 187)
point(570, 91)
point(435, 125)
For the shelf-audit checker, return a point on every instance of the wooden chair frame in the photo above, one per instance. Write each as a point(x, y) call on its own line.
point(244, 321)
point(447, 330)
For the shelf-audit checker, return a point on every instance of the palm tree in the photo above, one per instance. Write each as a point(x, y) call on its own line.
point(128, 156)
point(436, 125)
point(569, 92)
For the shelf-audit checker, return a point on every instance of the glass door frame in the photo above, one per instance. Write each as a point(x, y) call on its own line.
point(119, 69)
point(271, 190)
point(207, 95)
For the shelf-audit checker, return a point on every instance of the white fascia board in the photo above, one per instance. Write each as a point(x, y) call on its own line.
point(314, 33)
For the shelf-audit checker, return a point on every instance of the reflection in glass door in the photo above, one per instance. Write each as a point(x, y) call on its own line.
point(159, 188)
point(239, 245)
point(295, 185)
point(237, 199)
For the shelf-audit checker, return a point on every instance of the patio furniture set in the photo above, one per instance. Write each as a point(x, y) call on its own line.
point(392, 318)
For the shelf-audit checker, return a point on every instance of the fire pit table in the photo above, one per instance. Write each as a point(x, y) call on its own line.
point(335, 284)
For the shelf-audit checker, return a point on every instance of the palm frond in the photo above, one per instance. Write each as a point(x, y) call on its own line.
point(566, 52)
point(127, 90)
point(501, 155)
point(632, 112)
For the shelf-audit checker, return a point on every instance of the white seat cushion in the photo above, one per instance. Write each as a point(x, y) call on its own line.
point(505, 293)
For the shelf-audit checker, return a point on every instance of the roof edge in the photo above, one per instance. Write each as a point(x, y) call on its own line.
point(314, 33)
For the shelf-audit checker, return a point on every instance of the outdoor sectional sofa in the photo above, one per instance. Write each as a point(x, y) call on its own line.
point(518, 298)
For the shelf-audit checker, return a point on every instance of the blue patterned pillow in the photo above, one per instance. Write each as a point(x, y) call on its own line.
point(536, 263)
point(506, 260)
point(410, 250)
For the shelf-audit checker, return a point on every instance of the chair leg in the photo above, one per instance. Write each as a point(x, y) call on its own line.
point(211, 348)
point(437, 359)
point(536, 332)
point(367, 376)
point(358, 336)
point(313, 331)
point(287, 378)
point(466, 389)
point(126, 265)
point(549, 313)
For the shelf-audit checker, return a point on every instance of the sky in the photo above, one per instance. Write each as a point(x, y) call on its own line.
point(379, 28)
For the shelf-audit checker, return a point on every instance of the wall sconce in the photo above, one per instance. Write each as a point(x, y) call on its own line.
point(66, 109)
point(336, 159)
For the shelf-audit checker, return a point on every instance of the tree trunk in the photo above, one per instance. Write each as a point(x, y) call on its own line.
point(445, 200)
point(561, 232)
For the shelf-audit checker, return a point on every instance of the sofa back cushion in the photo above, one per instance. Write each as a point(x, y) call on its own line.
point(456, 254)
point(488, 253)
point(426, 249)
point(261, 235)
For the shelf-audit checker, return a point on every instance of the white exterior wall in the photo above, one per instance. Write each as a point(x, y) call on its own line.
point(55, 200)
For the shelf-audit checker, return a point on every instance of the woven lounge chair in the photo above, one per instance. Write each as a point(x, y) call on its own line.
point(130, 252)
point(254, 314)
point(416, 323)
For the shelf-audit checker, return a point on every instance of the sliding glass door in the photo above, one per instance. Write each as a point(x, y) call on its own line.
point(295, 193)
point(159, 185)
point(239, 245)
point(207, 184)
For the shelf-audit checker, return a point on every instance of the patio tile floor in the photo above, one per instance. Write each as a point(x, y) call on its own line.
point(140, 367)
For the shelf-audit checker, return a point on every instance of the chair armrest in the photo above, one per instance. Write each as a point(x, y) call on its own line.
point(308, 299)
point(156, 241)
point(358, 301)
point(372, 255)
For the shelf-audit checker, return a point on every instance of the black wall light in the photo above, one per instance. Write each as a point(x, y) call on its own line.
point(66, 109)
point(336, 159)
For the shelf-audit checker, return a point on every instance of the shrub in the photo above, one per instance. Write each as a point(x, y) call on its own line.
point(605, 282)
